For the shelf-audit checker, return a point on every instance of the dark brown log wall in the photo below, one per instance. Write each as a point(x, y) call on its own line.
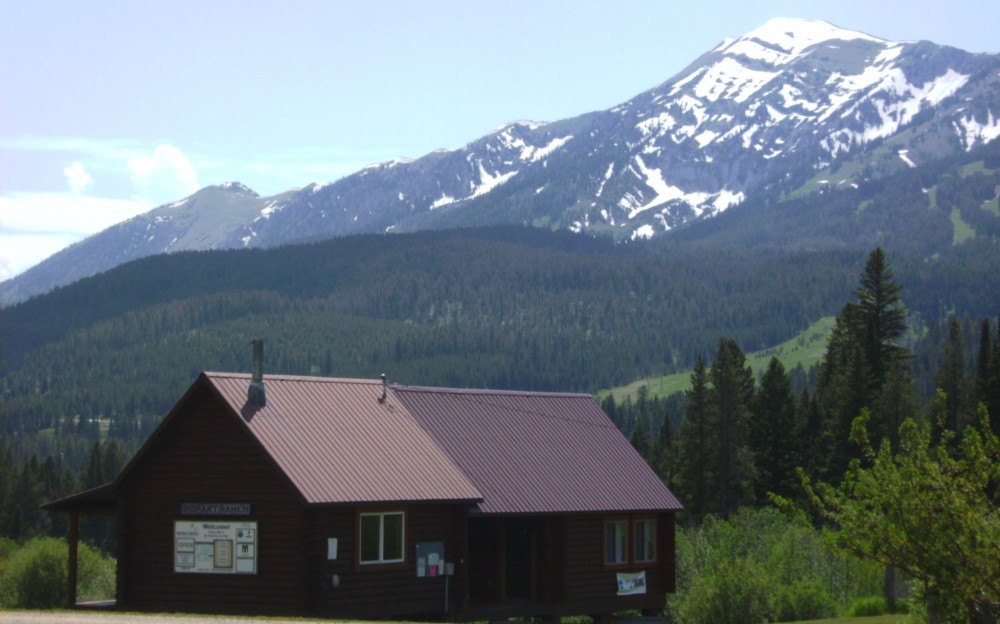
point(376, 591)
point(204, 455)
point(592, 587)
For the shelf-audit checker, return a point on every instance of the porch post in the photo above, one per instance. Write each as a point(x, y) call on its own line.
point(72, 539)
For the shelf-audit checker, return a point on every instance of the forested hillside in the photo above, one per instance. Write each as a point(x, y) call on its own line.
point(102, 360)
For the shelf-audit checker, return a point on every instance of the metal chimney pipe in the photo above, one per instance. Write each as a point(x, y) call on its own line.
point(255, 392)
point(257, 370)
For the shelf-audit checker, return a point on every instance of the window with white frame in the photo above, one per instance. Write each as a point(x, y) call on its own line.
point(615, 542)
point(644, 540)
point(381, 537)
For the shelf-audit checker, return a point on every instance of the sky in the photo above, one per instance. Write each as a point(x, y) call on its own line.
point(111, 108)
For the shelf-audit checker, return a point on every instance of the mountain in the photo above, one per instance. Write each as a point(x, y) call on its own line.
point(787, 108)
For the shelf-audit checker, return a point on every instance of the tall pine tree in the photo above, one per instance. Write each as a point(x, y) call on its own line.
point(694, 446)
point(730, 396)
point(863, 358)
point(773, 434)
point(882, 318)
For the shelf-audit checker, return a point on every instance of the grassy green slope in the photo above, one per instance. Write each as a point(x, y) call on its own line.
point(805, 348)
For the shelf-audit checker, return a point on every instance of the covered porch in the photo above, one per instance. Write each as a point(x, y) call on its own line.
point(96, 502)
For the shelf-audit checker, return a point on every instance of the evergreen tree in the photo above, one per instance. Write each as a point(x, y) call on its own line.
point(694, 462)
point(950, 379)
point(730, 395)
point(773, 434)
point(810, 452)
point(640, 441)
point(93, 475)
point(987, 384)
point(896, 401)
point(983, 364)
point(863, 354)
point(992, 399)
point(663, 452)
point(882, 318)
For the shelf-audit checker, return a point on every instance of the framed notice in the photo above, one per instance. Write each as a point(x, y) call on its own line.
point(210, 547)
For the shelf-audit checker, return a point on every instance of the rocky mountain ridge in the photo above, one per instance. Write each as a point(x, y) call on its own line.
point(792, 103)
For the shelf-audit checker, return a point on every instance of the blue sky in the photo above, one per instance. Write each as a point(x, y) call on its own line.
point(108, 109)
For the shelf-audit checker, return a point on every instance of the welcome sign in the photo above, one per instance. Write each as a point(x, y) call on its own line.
point(631, 583)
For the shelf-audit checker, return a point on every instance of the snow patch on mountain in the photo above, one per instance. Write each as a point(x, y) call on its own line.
point(534, 154)
point(488, 182)
point(643, 231)
point(729, 79)
point(271, 208)
point(529, 153)
point(444, 200)
point(971, 131)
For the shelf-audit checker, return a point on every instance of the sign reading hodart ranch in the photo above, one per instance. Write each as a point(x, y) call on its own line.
point(215, 547)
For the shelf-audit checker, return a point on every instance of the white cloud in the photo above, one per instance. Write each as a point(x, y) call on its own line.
point(165, 175)
point(33, 226)
point(77, 178)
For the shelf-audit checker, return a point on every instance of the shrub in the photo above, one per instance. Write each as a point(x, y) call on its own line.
point(872, 605)
point(734, 594)
point(35, 575)
point(803, 600)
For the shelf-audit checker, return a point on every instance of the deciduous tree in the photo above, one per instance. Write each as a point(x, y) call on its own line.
point(930, 510)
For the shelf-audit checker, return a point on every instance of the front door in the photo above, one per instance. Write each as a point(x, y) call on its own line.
point(518, 560)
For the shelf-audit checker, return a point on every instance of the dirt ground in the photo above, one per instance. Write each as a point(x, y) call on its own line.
point(110, 617)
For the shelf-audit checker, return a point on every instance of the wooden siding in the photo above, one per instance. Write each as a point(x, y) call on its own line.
point(377, 591)
point(571, 578)
point(592, 587)
point(204, 456)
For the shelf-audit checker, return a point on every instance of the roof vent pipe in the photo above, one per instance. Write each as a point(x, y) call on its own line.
point(385, 389)
point(255, 392)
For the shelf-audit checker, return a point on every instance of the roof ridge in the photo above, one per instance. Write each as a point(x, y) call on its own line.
point(490, 392)
point(304, 378)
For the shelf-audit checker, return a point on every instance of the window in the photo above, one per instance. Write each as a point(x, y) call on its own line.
point(644, 536)
point(630, 541)
point(615, 542)
point(382, 536)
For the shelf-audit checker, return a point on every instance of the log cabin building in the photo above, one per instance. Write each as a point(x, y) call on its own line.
point(351, 498)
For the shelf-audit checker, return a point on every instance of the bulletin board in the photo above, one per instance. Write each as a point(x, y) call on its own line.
point(211, 547)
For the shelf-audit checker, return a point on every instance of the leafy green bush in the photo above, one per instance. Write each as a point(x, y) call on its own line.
point(734, 594)
point(870, 605)
point(803, 574)
point(803, 600)
point(36, 576)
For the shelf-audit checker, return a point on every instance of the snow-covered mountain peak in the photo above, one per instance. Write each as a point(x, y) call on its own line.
point(795, 34)
point(237, 187)
point(526, 123)
point(782, 40)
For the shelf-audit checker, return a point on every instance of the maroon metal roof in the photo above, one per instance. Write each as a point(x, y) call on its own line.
point(538, 452)
point(338, 444)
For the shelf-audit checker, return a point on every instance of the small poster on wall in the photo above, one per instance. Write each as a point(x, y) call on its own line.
point(430, 559)
point(631, 583)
